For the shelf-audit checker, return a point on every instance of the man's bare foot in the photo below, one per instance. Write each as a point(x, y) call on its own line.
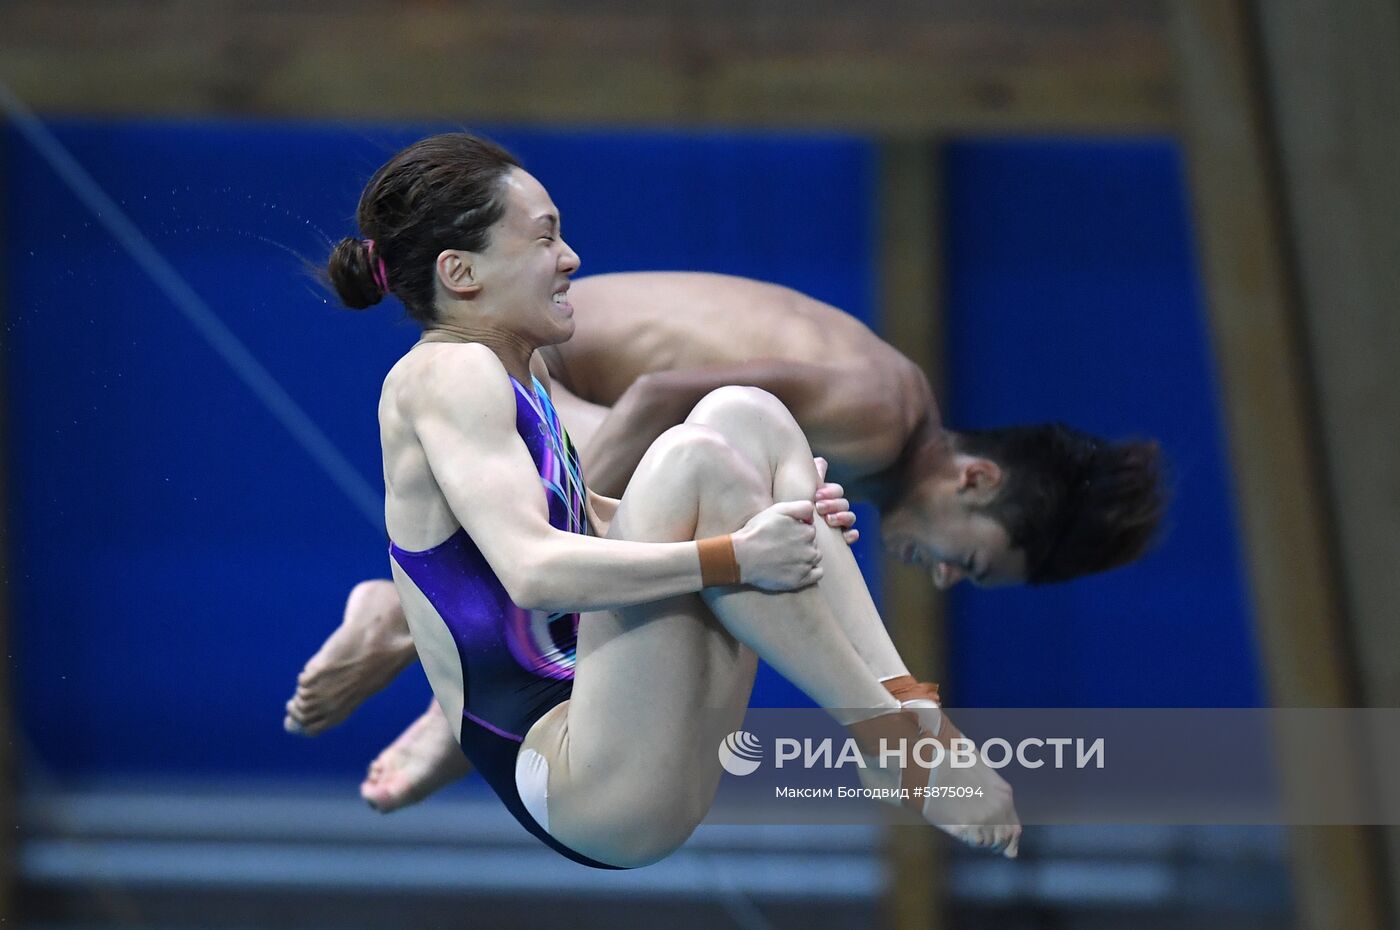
point(423, 759)
point(369, 648)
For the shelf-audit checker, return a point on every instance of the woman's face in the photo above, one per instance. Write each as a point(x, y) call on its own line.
point(524, 271)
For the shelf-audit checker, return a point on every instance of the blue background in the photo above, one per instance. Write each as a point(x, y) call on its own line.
point(1073, 294)
point(176, 555)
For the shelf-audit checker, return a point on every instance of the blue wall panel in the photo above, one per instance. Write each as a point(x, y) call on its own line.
point(177, 554)
point(1073, 295)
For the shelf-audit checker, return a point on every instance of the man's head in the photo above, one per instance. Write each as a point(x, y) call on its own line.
point(1034, 504)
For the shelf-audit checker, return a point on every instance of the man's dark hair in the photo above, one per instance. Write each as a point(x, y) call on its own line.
point(1075, 504)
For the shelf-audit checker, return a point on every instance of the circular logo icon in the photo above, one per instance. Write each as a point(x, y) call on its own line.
point(740, 753)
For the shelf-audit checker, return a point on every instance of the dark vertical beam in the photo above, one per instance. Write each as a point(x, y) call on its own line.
point(1333, 80)
point(911, 320)
point(9, 811)
point(1279, 479)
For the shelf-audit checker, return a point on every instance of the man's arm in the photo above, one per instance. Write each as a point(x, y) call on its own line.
point(849, 416)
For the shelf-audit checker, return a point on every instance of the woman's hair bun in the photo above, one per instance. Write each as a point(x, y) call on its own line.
point(351, 272)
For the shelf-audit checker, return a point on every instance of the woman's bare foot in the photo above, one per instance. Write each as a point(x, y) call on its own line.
point(423, 759)
point(369, 648)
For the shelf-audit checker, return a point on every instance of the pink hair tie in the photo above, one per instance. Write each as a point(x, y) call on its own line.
point(377, 271)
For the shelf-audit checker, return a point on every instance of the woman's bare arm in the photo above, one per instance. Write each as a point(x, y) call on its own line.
point(462, 410)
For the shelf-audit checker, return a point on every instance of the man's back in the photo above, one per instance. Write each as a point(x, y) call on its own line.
point(671, 337)
point(635, 323)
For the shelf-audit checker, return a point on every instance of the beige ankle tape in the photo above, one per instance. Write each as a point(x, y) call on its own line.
point(905, 688)
point(893, 728)
point(718, 565)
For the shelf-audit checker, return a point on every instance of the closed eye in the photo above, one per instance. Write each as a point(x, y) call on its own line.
point(971, 568)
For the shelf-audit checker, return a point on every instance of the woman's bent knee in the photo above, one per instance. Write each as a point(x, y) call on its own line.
point(690, 445)
point(755, 423)
point(704, 456)
point(737, 401)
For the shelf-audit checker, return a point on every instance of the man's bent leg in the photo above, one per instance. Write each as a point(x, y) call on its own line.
point(366, 652)
point(423, 759)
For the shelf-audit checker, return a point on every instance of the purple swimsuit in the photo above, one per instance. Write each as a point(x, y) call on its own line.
point(516, 664)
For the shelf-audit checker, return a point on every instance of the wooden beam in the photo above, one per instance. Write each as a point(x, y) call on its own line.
point(1278, 477)
point(910, 291)
point(1333, 75)
point(907, 67)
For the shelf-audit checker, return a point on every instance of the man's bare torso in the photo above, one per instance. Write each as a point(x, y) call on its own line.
point(633, 324)
point(857, 398)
